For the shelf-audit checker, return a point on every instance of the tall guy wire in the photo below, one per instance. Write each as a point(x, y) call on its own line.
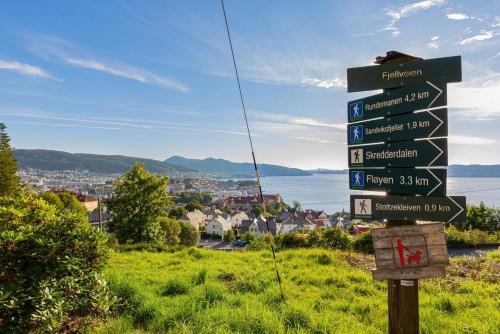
point(278, 277)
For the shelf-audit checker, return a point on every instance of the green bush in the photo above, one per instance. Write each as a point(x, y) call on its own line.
point(456, 238)
point(50, 263)
point(176, 287)
point(363, 242)
point(336, 239)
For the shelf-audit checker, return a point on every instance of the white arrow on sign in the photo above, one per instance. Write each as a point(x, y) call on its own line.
point(459, 212)
point(437, 156)
point(437, 88)
point(441, 122)
point(439, 182)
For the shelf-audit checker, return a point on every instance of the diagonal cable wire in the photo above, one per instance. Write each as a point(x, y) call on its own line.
point(278, 277)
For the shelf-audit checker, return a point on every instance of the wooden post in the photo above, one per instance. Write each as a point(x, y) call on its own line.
point(402, 294)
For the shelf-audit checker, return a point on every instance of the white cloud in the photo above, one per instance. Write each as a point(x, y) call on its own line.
point(283, 118)
point(127, 72)
point(457, 16)
point(397, 13)
point(470, 140)
point(25, 69)
point(484, 35)
point(50, 47)
point(434, 43)
point(325, 83)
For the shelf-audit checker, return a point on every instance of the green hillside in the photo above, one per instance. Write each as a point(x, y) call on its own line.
point(202, 291)
point(57, 160)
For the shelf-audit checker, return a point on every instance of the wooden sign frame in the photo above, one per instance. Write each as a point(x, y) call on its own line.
point(410, 252)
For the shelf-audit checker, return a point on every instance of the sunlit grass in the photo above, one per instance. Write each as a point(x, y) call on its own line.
point(202, 291)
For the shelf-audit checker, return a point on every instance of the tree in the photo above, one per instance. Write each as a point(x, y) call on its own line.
point(480, 217)
point(177, 212)
point(297, 206)
point(71, 203)
point(52, 198)
point(229, 235)
point(171, 229)
point(140, 201)
point(189, 236)
point(9, 180)
point(193, 205)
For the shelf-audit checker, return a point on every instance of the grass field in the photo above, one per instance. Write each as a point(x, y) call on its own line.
point(201, 291)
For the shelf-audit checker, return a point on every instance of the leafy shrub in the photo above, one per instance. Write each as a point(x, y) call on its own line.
point(188, 236)
point(456, 238)
point(363, 242)
point(50, 266)
point(146, 246)
point(294, 240)
point(336, 239)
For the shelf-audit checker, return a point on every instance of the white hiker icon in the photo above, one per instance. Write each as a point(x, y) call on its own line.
point(356, 133)
point(357, 178)
point(356, 110)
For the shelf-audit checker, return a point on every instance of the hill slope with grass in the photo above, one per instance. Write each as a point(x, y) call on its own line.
point(202, 291)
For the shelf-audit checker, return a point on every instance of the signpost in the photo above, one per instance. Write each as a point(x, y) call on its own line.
point(441, 209)
point(404, 250)
point(405, 181)
point(424, 153)
point(422, 95)
point(448, 69)
point(426, 124)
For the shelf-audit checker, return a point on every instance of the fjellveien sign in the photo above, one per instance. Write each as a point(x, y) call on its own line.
point(446, 69)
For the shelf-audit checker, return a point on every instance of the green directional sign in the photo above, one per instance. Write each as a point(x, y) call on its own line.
point(394, 75)
point(417, 153)
point(403, 181)
point(426, 124)
point(421, 95)
point(442, 209)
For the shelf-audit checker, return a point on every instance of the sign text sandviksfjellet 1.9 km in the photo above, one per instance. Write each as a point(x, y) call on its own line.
point(422, 95)
point(425, 124)
point(403, 181)
point(446, 69)
point(417, 153)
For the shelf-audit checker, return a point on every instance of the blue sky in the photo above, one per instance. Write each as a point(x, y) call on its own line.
point(155, 78)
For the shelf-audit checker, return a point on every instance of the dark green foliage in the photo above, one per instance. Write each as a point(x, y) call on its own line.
point(177, 212)
point(140, 201)
point(481, 217)
point(9, 180)
point(64, 201)
point(194, 205)
point(201, 277)
point(229, 236)
point(188, 235)
point(189, 196)
point(363, 242)
point(293, 240)
point(336, 239)
point(50, 266)
point(456, 238)
point(171, 229)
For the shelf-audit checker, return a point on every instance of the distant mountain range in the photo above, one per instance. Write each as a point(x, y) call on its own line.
point(97, 163)
point(235, 169)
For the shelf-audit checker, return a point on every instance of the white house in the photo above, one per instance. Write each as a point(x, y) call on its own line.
point(238, 218)
point(219, 225)
point(196, 218)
